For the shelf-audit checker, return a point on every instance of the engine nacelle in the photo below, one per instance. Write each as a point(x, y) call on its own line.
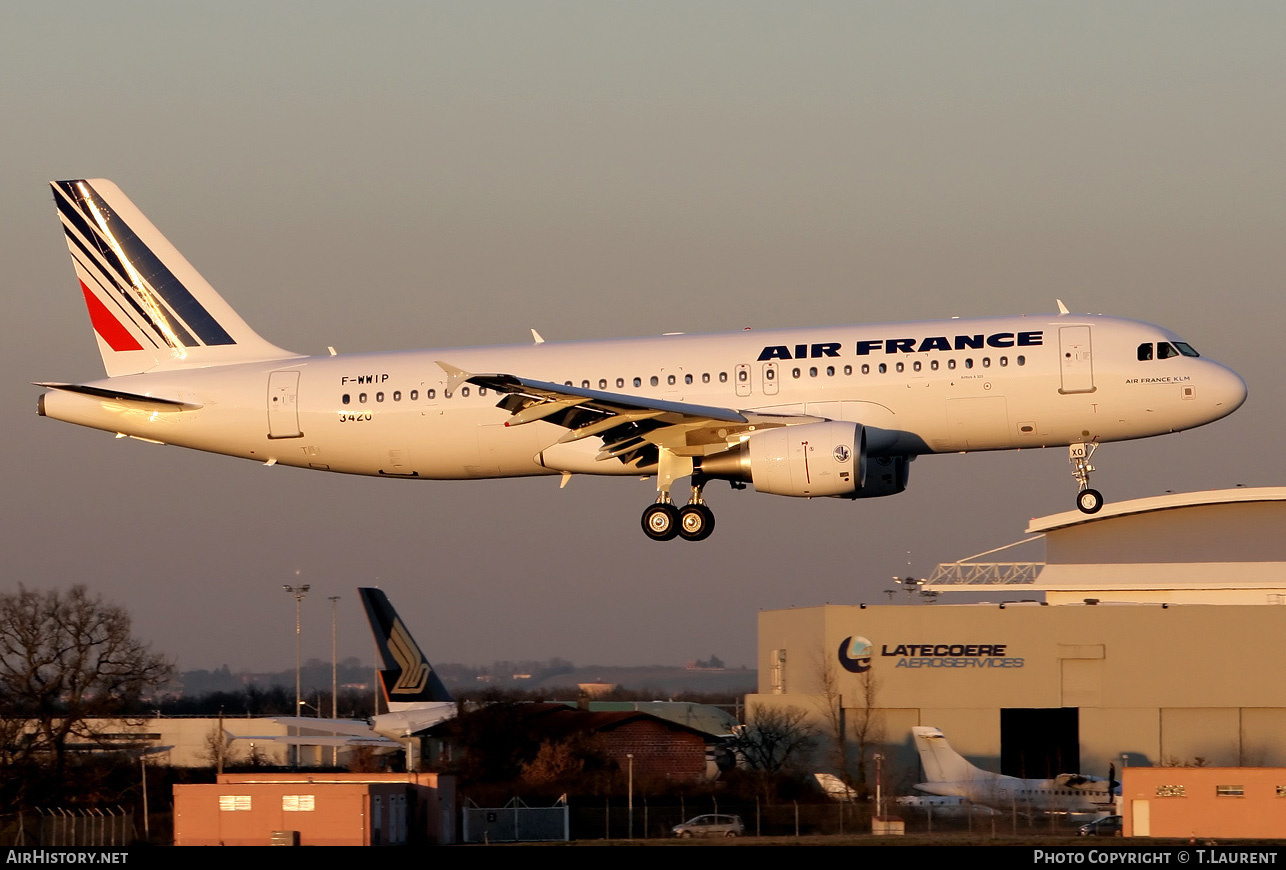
point(885, 475)
point(810, 460)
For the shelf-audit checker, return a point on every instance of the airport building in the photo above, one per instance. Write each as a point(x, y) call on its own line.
point(1158, 644)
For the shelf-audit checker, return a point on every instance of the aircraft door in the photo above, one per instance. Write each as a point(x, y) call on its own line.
point(283, 405)
point(743, 379)
point(770, 379)
point(1076, 359)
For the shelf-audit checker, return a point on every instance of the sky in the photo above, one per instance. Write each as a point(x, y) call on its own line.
point(392, 175)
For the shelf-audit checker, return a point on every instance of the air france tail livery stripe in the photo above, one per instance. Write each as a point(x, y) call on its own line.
point(835, 411)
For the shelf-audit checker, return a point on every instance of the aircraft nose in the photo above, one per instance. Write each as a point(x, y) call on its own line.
point(1228, 389)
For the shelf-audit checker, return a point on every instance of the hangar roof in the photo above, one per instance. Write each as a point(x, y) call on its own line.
point(1170, 501)
point(1222, 546)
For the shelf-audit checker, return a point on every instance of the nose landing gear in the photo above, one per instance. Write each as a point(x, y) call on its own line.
point(1088, 501)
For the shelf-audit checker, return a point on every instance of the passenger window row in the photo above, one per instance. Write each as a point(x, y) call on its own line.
point(413, 396)
point(743, 375)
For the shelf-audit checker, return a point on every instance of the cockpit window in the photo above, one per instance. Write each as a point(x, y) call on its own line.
point(1165, 350)
point(1185, 348)
point(1145, 351)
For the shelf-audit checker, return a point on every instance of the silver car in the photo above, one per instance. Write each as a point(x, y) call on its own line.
point(710, 826)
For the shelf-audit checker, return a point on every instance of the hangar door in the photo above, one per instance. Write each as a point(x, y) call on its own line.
point(1040, 743)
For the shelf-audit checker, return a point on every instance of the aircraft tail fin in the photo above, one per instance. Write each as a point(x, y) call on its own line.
point(941, 762)
point(150, 309)
point(407, 676)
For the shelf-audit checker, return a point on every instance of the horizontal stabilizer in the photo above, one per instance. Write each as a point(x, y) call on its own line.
point(151, 403)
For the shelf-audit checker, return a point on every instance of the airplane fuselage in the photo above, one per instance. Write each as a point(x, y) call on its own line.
point(1029, 795)
point(929, 387)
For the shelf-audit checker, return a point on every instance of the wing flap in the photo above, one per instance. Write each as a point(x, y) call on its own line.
point(633, 428)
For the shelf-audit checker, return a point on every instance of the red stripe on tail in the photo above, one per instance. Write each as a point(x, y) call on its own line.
point(109, 329)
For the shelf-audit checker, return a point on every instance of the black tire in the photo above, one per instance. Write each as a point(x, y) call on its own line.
point(661, 522)
point(1089, 501)
point(696, 522)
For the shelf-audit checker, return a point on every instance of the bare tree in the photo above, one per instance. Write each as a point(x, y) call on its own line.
point(774, 739)
point(851, 729)
point(867, 727)
point(66, 658)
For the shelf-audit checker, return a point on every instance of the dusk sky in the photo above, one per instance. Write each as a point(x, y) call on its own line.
point(392, 175)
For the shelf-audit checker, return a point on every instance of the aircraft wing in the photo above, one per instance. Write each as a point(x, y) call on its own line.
point(632, 427)
point(328, 732)
point(1078, 780)
point(321, 740)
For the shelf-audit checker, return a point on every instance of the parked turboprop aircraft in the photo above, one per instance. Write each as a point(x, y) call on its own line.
point(951, 775)
point(836, 411)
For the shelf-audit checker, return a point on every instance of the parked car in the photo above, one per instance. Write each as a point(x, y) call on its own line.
point(711, 826)
point(1108, 826)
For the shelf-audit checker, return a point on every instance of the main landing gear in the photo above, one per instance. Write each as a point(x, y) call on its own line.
point(1089, 501)
point(663, 521)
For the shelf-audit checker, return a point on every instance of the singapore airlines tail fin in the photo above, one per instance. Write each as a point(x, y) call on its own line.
point(409, 680)
point(941, 762)
point(150, 309)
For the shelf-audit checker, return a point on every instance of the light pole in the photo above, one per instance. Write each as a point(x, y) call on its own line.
point(334, 670)
point(334, 657)
point(630, 832)
point(910, 584)
point(298, 592)
point(879, 786)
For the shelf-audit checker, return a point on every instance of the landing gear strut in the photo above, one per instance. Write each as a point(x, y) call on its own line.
point(1089, 501)
point(662, 521)
point(696, 521)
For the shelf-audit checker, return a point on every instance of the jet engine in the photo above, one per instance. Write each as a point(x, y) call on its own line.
point(810, 460)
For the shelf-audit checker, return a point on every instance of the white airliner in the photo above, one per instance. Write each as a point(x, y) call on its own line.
point(951, 775)
point(835, 411)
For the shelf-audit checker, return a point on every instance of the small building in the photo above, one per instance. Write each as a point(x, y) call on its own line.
point(656, 747)
point(1202, 802)
point(342, 809)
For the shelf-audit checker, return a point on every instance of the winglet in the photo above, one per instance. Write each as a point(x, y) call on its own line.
point(455, 376)
point(537, 337)
point(1062, 309)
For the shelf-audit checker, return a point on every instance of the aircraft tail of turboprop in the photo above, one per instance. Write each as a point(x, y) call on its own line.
point(407, 676)
point(941, 762)
point(150, 309)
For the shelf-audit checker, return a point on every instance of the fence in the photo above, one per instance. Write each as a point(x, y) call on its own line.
point(515, 822)
point(61, 828)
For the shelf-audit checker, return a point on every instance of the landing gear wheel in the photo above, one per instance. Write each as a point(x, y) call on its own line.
point(1089, 501)
point(696, 522)
point(661, 521)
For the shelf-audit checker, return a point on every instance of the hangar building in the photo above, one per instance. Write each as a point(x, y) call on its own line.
point(1186, 673)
